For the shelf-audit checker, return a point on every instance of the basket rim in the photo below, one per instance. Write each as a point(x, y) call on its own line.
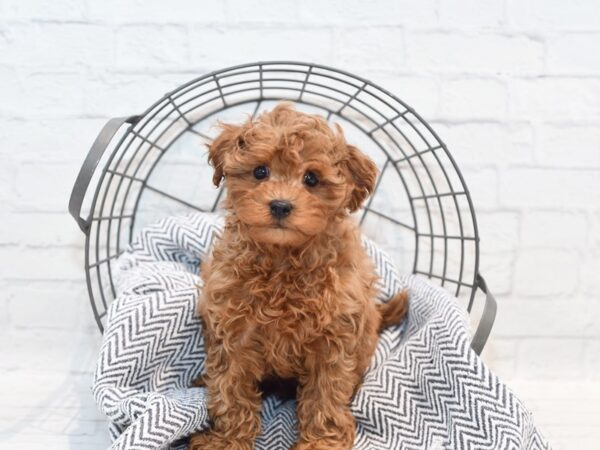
point(307, 68)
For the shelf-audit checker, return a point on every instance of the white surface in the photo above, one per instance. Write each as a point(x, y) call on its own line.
point(512, 87)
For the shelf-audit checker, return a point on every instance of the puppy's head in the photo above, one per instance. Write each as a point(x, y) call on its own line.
point(289, 175)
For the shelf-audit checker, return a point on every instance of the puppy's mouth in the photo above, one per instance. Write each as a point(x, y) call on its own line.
point(280, 225)
point(286, 225)
point(278, 232)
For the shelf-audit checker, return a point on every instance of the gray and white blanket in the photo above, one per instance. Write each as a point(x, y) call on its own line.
point(425, 389)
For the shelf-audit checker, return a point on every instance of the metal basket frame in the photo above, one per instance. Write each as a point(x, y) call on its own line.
point(125, 171)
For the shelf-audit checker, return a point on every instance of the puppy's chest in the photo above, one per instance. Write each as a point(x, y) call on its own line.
point(290, 314)
point(283, 355)
point(279, 300)
point(284, 298)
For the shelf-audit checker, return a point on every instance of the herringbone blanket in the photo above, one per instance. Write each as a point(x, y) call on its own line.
point(426, 389)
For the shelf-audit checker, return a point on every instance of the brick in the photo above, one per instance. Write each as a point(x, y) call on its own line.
point(64, 422)
point(77, 398)
point(498, 269)
point(483, 186)
point(281, 11)
point(568, 146)
point(151, 47)
point(52, 95)
point(590, 268)
point(592, 359)
point(591, 311)
point(57, 306)
point(552, 15)
point(554, 229)
point(24, 229)
point(477, 144)
point(7, 183)
point(550, 358)
point(10, 92)
point(220, 47)
point(51, 140)
point(42, 94)
point(63, 10)
point(360, 48)
point(573, 53)
point(4, 305)
point(419, 92)
point(576, 390)
point(57, 350)
point(520, 318)
point(468, 98)
point(546, 272)
point(474, 53)
point(70, 419)
point(499, 354)
point(44, 264)
point(124, 94)
point(57, 45)
point(359, 12)
point(155, 11)
point(533, 187)
point(499, 231)
point(595, 234)
point(44, 188)
point(472, 13)
point(555, 99)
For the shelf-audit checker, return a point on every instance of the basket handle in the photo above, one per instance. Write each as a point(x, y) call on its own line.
point(487, 317)
point(89, 166)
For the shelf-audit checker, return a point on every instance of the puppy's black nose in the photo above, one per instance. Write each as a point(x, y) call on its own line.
point(280, 208)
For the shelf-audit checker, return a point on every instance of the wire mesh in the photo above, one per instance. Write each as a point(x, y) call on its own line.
point(420, 212)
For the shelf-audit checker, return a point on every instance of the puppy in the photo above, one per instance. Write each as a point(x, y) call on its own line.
point(289, 291)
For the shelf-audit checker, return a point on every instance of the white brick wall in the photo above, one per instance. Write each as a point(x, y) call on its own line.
point(513, 88)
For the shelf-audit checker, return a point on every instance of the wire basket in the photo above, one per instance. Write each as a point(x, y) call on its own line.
point(144, 167)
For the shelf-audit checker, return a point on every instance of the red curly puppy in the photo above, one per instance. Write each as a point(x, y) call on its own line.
point(289, 291)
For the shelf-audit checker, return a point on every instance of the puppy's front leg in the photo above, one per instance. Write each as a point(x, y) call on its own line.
point(324, 416)
point(234, 400)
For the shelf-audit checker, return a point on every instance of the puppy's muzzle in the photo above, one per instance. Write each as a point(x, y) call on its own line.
point(280, 208)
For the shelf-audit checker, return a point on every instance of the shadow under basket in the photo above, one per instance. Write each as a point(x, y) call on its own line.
point(144, 167)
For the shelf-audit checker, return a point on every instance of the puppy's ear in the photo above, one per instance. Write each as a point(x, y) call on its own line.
point(229, 140)
point(363, 174)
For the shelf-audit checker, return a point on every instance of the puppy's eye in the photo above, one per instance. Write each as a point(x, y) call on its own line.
point(261, 172)
point(310, 179)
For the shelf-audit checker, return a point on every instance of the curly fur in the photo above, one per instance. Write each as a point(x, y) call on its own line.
point(292, 297)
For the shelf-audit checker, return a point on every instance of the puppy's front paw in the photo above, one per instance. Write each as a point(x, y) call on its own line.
point(212, 441)
point(321, 444)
